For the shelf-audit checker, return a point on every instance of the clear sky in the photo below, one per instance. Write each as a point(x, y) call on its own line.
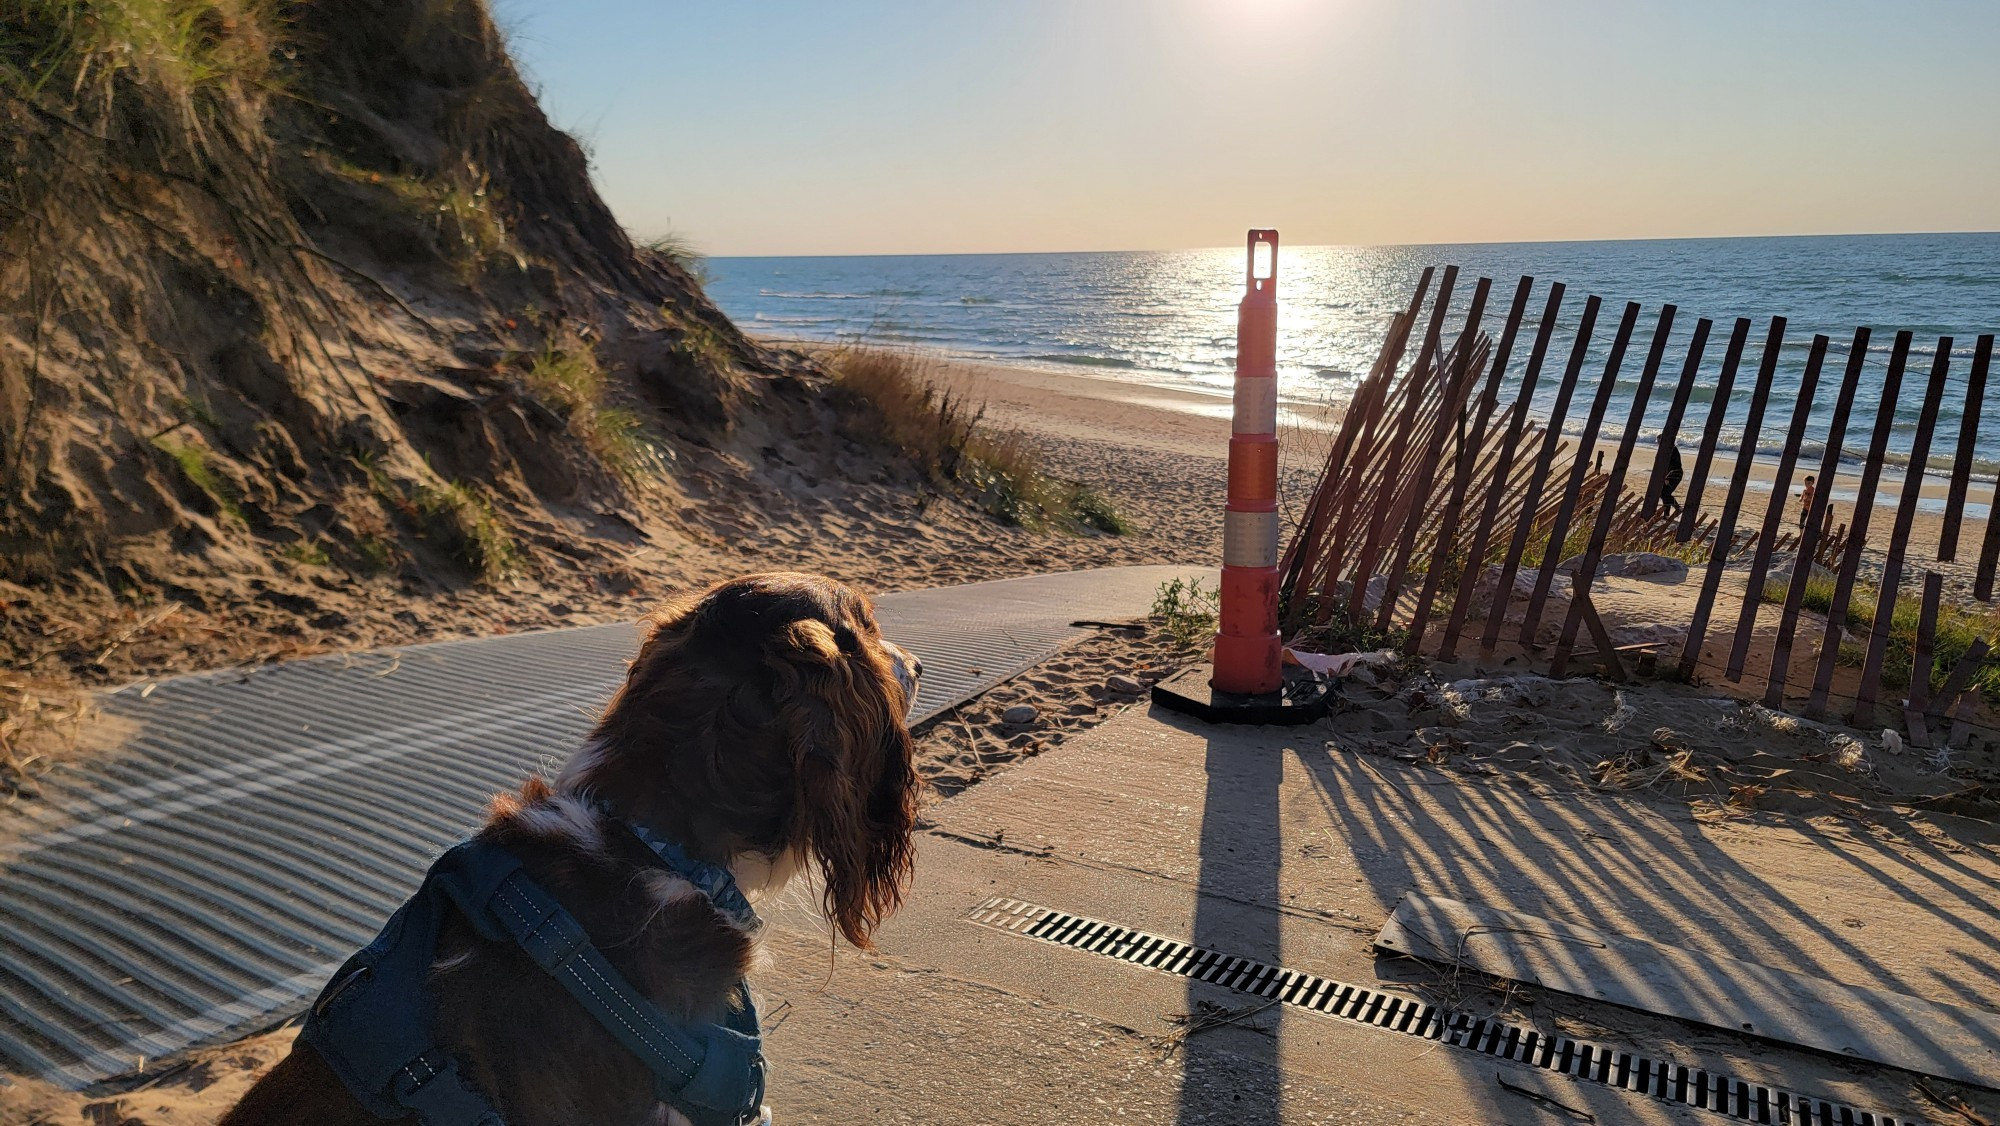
point(938, 126)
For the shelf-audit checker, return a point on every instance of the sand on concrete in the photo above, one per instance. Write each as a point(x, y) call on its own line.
point(885, 1034)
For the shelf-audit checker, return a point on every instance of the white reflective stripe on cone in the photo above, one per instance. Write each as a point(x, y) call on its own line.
point(1256, 409)
point(1249, 539)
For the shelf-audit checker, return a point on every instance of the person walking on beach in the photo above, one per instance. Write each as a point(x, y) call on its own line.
point(1670, 478)
point(1805, 502)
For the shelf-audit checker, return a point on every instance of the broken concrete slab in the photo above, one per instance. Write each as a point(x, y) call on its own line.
point(1951, 1041)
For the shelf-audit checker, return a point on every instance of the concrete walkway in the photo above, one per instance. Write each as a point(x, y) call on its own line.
point(257, 826)
point(1267, 844)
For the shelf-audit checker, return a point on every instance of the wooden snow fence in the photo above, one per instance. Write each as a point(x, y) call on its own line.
point(1467, 462)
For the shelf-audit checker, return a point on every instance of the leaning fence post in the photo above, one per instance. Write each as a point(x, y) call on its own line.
point(1586, 570)
point(1774, 513)
point(1559, 530)
point(1475, 554)
point(1551, 443)
point(1920, 660)
point(1725, 536)
point(1855, 540)
point(1819, 525)
point(1718, 409)
point(1892, 563)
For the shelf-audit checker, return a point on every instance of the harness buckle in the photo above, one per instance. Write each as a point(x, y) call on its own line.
point(430, 1085)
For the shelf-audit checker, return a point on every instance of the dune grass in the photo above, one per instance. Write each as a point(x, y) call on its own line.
point(1187, 611)
point(1958, 626)
point(566, 377)
point(192, 462)
point(906, 400)
point(463, 522)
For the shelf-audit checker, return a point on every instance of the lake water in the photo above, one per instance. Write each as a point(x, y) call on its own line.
point(1168, 317)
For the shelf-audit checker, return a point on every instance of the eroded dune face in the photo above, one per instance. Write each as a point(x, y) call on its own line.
point(289, 281)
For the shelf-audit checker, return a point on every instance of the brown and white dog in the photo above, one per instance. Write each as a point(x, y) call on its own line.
point(762, 727)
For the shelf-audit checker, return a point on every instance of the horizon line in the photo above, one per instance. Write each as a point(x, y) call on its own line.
point(1354, 245)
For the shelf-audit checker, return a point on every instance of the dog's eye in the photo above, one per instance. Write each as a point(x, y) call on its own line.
point(846, 638)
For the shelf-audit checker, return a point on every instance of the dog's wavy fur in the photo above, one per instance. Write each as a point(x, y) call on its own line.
point(761, 726)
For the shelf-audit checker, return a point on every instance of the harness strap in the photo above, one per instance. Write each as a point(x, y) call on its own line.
point(371, 1027)
point(712, 1073)
point(430, 1085)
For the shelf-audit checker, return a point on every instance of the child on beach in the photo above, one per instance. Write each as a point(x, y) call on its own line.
point(1805, 502)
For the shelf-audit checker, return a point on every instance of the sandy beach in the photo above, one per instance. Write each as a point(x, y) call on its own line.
point(1159, 454)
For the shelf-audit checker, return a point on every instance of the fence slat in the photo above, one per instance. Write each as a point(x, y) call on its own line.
point(1551, 442)
point(1989, 552)
point(1614, 490)
point(1960, 678)
point(1857, 529)
point(1586, 443)
point(1725, 536)
point(1364, 563)
point(1892, 563)
point(1464, 373)
point(1920, 655)
point(1472, 444)
point(1718, 409)
point(1475, 554)
point(1968, 443)
point(1670, 430)
point(1819, 524)
point(1774, 513)
point(1301, 557)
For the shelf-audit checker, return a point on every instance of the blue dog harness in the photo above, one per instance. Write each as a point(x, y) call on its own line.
point(372, 1022)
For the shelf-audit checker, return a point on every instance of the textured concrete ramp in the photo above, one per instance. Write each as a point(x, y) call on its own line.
point(256, 827)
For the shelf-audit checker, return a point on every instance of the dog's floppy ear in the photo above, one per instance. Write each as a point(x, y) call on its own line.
point(811, 639)
point(855, 803)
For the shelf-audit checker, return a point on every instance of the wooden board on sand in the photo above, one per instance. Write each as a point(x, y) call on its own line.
point(1948, 1041)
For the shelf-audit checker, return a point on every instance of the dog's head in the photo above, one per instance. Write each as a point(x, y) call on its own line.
point(767, 715)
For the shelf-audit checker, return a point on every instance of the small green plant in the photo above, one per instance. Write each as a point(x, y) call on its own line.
point(565, 374)
point(565, 377)
point(455, 210)
point(464, 523)
point(676, 248)
point(619, 437)
point(307, 553)
point(192, 461)
point(1187, 612)
point(702, 347)
point(374, 554)
point(1094, 510)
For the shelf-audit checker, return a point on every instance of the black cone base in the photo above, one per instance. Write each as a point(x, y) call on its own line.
point(1303, 699)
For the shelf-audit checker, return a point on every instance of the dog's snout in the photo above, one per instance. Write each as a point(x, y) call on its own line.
point(909, 670)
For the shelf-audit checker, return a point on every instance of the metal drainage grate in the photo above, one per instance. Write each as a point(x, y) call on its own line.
point(1595, 1063)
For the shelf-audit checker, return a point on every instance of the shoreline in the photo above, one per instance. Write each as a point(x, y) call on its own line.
point(1157, 390)
point(1090, 408)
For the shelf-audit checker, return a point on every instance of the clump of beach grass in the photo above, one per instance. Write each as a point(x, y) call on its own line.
point(192, 462)
point(455, 211)
point(1187, 611)
point(1958, 626)
point(910, 403)
point(566, 377)
point(463, 522)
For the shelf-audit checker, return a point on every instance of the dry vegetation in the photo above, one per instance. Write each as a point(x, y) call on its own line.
point(1958, 626)
point(314, 334)
point(908, 399)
